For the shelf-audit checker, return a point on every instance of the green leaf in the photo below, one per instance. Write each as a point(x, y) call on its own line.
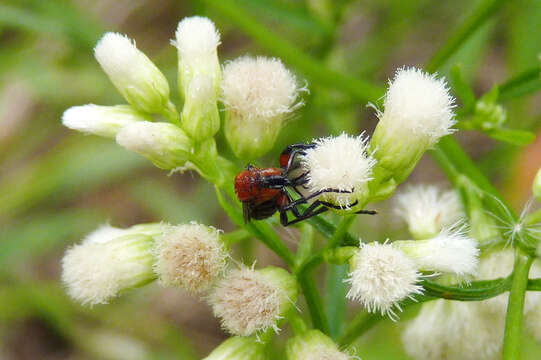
point(512, 136)
point(463, 89)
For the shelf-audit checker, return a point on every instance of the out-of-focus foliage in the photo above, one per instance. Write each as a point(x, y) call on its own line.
point(56, 185)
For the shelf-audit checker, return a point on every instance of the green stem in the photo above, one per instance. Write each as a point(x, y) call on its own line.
point(359, 325)
point(521, 84)
point(515, 307)
point(313, 301)
point(296, 322)
point(280, 47)
point(480, 15)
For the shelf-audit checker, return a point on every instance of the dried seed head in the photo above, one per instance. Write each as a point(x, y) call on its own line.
point(342, 163)
point(190, 256)
point(249, 301)
point(381, 277)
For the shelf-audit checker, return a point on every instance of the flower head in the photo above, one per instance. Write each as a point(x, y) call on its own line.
point(451, 251)
point(381, 276)
point(139, 81)
point(314, 345)
point(250, 301)
point(166, 145)
point(238, 348)
point(418, 111)
point(453, 330)
point(258, 94)
point(199, 75)
point(109, 261)
point(191, 256)
point(341, 163)
point(104, 121)
point(427, 209)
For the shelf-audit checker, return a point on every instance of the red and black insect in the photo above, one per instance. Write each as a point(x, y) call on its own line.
point(265, 191)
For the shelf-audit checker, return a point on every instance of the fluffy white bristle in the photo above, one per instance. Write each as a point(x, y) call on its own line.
point(427, 209)
point(196, 35)
point(418, 103)
point(382, 277)
point(259, 88)
point(190, 256)
point(342, 163)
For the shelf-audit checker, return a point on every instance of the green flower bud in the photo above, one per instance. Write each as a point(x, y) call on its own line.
point(139, 81)
point(199, 76)
point(258, 94)
point(104, 121)
point(238, 348)
point(314, 345)
point(166, 145)
point(418, 112)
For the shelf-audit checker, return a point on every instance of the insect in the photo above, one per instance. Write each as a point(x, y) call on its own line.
point(263, 192)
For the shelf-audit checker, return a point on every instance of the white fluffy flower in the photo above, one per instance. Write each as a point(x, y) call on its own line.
point(451, 251)
point(418, 111)
point(339, 163)
point(166, 145)
point(101, 120)
point(191, 256)
point(199, 75)
point(249, 301)
point(427, 209)
point(139, 81)
point(381, 277)
point(196, 35)
point(258, 94)
point(109, 261)
point(454, 330)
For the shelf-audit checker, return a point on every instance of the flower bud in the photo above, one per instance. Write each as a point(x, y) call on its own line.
point(340, 163)
point(258, 94)
point(199, 76)
point(190, 256)
point(314, 345)
point(251, 301)
point(418, 112)
point(139, 81)
point(238, 348)
point(451, 251)
point(381, 276)
point(166, 145)
point(536, 186)
point(108, 262)
point(454, 330)
point(104, 121)
point(427, 209)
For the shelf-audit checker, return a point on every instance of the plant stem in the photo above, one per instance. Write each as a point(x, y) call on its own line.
point(313, 300)
point(526, 82)
point(479, 16)
point(515, 308)
point(316, 71)
point(360, 324)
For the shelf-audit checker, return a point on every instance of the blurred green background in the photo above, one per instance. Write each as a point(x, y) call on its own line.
point(56, 185)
